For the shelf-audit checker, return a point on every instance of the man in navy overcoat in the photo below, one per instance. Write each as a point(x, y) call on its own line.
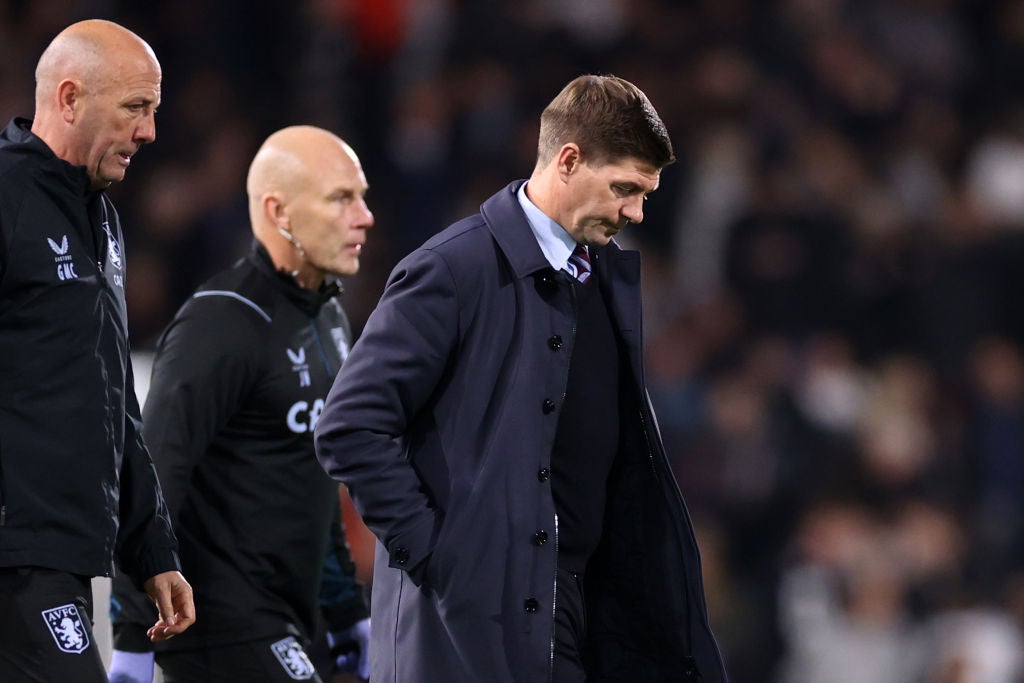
point(493, 427)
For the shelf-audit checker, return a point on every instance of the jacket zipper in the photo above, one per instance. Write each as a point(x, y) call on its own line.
point(3, 492)
point(104, 238)
point(109, 241)
point(323, 352)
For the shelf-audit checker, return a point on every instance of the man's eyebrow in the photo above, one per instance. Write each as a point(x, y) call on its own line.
point(630, 186)
point(349, 191)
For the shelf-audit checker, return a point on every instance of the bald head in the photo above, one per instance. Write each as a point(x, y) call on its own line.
point(307, 203)
point(97, 89)
point(92, 51)
point(289, 158)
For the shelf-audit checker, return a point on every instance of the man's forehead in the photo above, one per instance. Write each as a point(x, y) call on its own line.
point(136, 77)
point(345, 182)
point(636, 173)
point(323, 178)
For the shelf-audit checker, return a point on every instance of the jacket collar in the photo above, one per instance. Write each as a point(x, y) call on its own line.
point(307, 300)
point(17, 137)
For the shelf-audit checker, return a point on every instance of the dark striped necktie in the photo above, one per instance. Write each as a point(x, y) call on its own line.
point(579, 263)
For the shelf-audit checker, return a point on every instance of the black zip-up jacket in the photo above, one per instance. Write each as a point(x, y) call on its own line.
point(77, 487)
point(239, 381)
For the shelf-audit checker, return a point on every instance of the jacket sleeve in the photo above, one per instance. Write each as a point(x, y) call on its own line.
point(205, 362)
point(341, 596)
point(145, 543)
point(385, 382)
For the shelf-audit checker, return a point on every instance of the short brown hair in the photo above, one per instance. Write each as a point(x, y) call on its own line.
point(609, 118)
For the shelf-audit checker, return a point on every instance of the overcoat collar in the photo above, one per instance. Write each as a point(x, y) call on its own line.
point(508, 224)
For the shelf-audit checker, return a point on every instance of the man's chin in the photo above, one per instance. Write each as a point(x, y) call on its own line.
point(346, 269)
point(103, 182)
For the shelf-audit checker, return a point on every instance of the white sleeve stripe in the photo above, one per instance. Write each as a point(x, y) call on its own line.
point(233, 295)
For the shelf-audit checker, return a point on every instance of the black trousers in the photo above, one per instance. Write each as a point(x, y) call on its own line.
point(280, 659)
point(570, 628)
point(46, 628)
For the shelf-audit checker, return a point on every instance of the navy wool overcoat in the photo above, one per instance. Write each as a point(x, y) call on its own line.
point(441, 423)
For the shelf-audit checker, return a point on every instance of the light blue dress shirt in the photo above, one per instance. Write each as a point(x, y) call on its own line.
point(554, 241)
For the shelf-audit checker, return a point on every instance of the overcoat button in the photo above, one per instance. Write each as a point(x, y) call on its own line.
point(540, 538)
point(690, 670)
point(555, 342)
point(548, 406)
point(401, 555)
point(530, 605)
point(544, 474)
point(546, 284)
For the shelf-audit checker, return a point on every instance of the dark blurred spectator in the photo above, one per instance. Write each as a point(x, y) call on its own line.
point(996, 451)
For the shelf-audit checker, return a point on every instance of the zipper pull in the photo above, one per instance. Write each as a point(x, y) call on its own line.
point(3, 515)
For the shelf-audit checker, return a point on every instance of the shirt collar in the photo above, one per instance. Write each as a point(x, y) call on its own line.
point(555, 243)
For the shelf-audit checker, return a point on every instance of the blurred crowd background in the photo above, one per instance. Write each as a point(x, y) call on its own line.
point(834, 269)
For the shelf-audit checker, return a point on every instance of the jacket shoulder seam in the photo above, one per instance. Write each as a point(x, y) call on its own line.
point(228, 294)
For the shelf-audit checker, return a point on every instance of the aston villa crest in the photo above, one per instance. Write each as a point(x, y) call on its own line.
point(294, 659)
point(67, 629)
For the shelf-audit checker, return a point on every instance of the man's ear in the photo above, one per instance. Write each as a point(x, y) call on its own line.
point(274, 210)
point(68, 96)
point(569, 159)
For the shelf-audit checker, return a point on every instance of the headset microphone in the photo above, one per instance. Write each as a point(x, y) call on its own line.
point(295, 243)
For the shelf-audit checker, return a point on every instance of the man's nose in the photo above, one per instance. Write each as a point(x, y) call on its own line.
point(366, 220)
point(146, 130)
point(634, 210)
